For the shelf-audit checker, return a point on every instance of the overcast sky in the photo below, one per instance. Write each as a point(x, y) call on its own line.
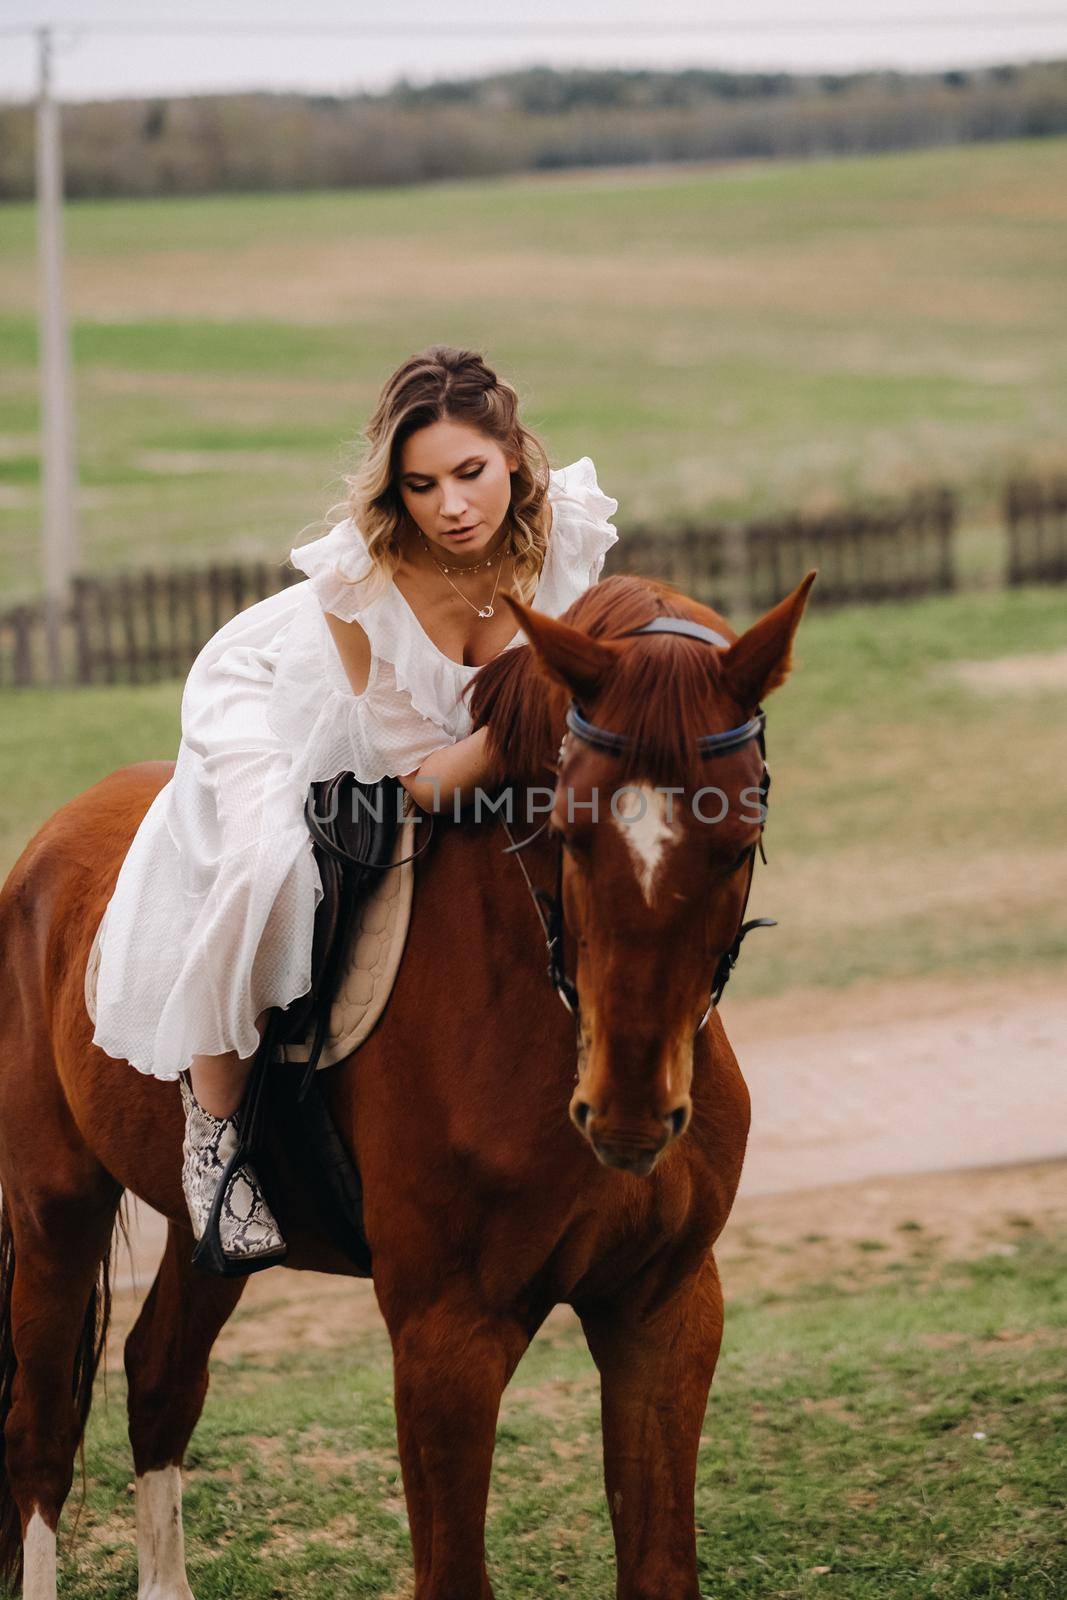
point(177, 48)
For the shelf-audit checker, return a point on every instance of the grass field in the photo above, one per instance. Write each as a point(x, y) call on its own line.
point(719, 340)
point(916, 820)
point(886, 1424)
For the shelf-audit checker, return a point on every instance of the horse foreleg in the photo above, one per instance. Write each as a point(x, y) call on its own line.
point(451, 1365)
point(167, 1367)
point(656, 1361)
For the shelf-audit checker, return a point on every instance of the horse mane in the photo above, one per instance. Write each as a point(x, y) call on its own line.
point(662, 693)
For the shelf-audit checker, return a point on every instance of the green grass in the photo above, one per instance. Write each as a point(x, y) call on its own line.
point(720, 341)
point(840, 1456)
point(915, 825)
point(52, 746)
point(201, 348)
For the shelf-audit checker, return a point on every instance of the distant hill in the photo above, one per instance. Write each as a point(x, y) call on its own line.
point(536, 119)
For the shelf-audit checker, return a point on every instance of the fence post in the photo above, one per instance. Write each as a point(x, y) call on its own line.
point(737, 600)
point(194, 635)
point(126, 591)
point(151, 627)
point(1058, 512)
point(83, 658)
point(22, 627)
point(107, 646)
point(1012, 517)
point(945, 522)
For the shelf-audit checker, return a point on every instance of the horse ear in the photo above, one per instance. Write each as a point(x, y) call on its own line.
point(760, 659)
point(566, 654)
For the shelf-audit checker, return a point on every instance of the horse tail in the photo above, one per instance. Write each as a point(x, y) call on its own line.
point(87, 1357)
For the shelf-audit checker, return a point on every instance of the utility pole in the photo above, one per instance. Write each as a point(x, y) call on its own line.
point(59, 534)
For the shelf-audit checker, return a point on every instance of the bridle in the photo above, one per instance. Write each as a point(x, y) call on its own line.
point(549, 907)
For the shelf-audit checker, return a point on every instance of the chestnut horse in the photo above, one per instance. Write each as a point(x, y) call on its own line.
point(484, 1205)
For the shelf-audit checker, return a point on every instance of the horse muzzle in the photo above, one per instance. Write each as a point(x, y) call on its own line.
point(630, 1146)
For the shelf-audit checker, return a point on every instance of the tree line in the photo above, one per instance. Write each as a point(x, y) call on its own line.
point(539, 118)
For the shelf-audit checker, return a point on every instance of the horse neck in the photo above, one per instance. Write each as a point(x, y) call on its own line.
point(476, 914)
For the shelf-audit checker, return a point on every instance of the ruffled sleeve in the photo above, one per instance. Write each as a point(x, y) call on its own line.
point(334, 565)
point(396, 722)
point(331, 729)
point(580, 527)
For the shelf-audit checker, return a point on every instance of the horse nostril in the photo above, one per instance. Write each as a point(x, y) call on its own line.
point(581, 1113)
point(676, 1121)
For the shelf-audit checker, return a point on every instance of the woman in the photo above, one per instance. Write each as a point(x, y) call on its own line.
point(360, 669)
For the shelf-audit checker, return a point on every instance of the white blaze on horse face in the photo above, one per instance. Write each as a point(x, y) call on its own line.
point(641, 815)
point(39, 1560)
point(160, 1537)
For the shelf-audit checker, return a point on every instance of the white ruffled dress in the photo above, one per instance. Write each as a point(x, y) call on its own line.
point(212, 916)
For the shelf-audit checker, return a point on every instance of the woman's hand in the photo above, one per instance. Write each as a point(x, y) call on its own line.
point(456, 771)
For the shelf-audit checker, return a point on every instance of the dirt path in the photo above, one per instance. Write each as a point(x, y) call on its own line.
point(913, 1077)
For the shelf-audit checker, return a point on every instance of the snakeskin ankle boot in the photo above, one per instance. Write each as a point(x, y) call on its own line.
point(248, 1235)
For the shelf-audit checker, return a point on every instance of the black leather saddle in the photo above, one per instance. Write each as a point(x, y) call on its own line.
point(353, 828)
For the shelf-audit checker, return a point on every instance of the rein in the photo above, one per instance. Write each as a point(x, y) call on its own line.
point(549, 907)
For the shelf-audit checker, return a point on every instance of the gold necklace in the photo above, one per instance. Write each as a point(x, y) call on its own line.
point(485, 612)
point(476, 566)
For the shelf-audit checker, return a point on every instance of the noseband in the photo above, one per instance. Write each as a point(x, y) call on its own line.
point(709, 746)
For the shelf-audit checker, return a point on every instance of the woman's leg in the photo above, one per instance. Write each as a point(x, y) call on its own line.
point(248, 1233)
point(218, 1082)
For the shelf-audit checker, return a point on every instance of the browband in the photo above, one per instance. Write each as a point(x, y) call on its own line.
point(687, 630)
point(709, 744)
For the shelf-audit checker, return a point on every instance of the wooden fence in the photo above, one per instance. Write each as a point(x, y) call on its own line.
point(139, 627)
point(694, 559)
point(890, 552)
point(133, 627)
point(1035, 514)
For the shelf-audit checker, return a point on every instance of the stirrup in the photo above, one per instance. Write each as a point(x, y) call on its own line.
point(236, 1230)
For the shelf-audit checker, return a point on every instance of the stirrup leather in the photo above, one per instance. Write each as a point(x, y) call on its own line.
point(232, 1222)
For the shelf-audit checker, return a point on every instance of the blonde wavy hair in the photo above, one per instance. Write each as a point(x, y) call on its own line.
point(443, 382)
